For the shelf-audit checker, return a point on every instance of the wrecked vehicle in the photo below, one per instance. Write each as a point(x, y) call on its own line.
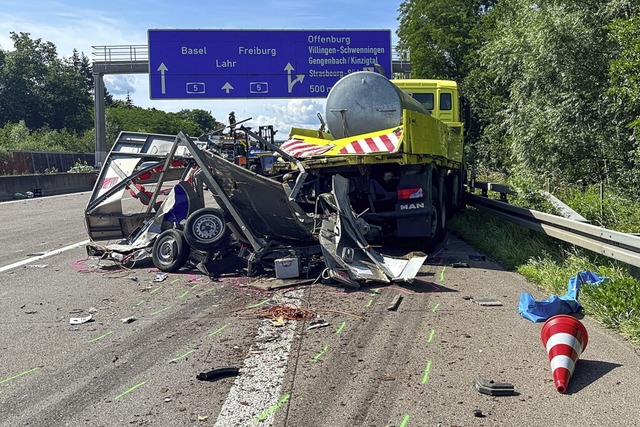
point(324, 193)
point(400, 145)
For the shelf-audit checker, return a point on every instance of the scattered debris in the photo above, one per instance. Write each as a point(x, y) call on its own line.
point(467, 297)
point(286, 237)
point(203, 417)
point(287, 312)
point(539, 311)
point(460, 265)
point(37, 265)
point(287, 268)
point(492, 388)
point(218, 373)
point(79, 320)
point(395, 303)
point(487, 302)
point(278, 321)
point(318, 323)
point(35, 254)
point(478, 413)
point(130, 319)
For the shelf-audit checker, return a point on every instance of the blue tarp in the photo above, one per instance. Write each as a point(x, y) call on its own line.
point(539, 311)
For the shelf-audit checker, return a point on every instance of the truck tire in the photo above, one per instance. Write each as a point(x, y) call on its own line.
point(170, 251)
point(437, 221)
point(205, 229)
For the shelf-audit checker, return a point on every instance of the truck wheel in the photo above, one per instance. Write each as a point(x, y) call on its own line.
point(170, 251)
point(205, 228)
point(437, 220)
point(444, 213)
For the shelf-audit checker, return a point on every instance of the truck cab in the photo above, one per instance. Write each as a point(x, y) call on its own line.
point(440, 97)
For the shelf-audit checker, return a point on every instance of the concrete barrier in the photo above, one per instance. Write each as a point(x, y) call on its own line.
point(49, 185)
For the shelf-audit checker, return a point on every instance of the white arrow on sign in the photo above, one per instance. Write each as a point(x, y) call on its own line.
point(162, 68)
point(227, 87)
point(299, 77)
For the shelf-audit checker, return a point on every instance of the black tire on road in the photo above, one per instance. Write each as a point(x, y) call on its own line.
point(205, 229)
point(436, 234)
point(170, 251)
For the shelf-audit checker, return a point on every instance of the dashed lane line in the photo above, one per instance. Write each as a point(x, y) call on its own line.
point(129, 390)
point(6, 380)
point(39, 257)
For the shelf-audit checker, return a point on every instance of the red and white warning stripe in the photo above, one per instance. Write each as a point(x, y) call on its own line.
point(564, 338)
point(298, 148)
point(564, 350)
point(378, 144)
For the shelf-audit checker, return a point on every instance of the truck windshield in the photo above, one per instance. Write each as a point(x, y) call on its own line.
point(425, 99)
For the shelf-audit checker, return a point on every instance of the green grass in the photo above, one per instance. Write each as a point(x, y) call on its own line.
point(550, 263)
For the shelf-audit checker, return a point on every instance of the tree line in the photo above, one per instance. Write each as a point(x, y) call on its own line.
point(46, 103)
point(553, 85)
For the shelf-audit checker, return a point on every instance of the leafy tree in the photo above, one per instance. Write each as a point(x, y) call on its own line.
point(39, 88)
point(439, 34)
point(540, 83)
point(625, 90)
point(151, 120)
point(202, 118)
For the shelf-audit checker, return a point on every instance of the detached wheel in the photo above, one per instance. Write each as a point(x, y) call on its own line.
point(170, 251)
point(205, 228)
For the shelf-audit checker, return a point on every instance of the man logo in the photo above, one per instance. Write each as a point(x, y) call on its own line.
point(412, 206)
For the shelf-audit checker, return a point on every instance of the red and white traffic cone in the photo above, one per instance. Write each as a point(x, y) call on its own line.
point(565, 338)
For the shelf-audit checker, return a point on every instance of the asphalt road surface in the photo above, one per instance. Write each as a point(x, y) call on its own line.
point(369, 366)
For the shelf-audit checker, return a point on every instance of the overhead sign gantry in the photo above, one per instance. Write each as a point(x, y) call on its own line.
point(225, 64)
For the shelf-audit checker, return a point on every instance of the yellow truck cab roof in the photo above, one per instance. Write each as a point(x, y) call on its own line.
point(437, 96)
point(407, 84)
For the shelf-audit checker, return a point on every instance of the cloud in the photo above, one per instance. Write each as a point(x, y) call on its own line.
point(301, 113)
point(297, 111)
point(120, 84)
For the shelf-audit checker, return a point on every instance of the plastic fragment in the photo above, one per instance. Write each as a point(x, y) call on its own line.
point(460, 265)
point(317, 324)
point(487, 302)
point(79, 320)
point(218, 373)
point(492, 388)
point(395, 303)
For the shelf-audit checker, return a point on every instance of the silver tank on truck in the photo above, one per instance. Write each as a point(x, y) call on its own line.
point(364, 102)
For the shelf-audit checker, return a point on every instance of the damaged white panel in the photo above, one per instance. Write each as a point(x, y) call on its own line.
point(343, 237)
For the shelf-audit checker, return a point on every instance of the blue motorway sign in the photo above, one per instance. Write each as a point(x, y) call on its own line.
point(185, 64)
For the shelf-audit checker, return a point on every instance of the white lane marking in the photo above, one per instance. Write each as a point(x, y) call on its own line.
point(259, 385)
point(39, 257)
point(43, 198)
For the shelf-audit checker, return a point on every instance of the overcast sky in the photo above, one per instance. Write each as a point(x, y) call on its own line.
point(72, 24)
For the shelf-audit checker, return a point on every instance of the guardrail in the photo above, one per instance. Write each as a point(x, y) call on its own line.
point(121, 53)
point(140, 52)
point(612, 244)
